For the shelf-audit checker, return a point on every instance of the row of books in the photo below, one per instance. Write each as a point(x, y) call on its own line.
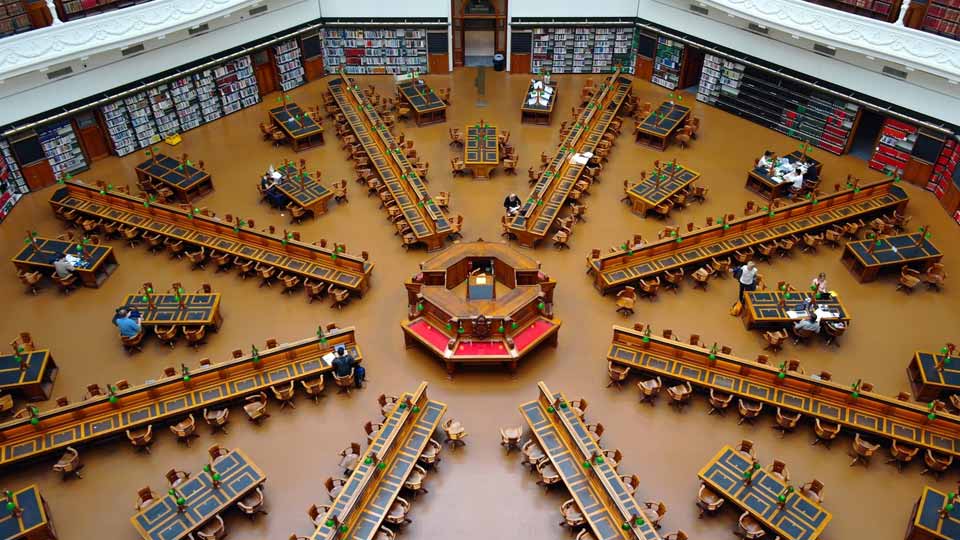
point(945, 169)
point(289, 64)
point(13, 18)
point(667, 62)
point(62, 148)
point(894, 144)
point(12, 184)
point(719, 76)
point(394, 51)
point(581, 49)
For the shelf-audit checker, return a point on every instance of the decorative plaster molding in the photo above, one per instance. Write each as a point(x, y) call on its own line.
point(68, 41)
point(914, 48)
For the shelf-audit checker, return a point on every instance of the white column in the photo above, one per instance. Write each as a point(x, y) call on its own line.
point(53, 12)
point(903, 12)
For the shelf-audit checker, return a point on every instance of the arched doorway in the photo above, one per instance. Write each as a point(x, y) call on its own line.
point(479, 31)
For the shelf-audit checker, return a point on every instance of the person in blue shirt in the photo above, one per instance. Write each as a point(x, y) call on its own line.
point(128, 326)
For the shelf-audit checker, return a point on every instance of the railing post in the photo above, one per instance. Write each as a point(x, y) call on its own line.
point(903, 12)
point(53, 12)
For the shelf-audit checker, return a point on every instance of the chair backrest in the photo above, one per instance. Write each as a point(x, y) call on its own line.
point(746, 445)
point(272, 343)
point(122, 384)
point(169, 371)
point(237, 353)
point(778, 466)
point(826, 376)
point(145, 494)
point(904, 396)
point(94, 390)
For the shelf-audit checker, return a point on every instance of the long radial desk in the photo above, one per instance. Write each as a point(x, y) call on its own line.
point(610, 510)
point(427, 220)
point(870, 413)
point(363, 502)
point(867, 258)
point(543, 204)
point(619, 268)
point(170, 397)
point(291, 256)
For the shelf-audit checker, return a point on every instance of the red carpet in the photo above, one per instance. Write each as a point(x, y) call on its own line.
point(529, 334)
point(476, 348)
point(430, 334)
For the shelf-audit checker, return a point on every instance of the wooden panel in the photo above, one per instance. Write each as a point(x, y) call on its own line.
point(438, 63)
point(917, 171)
point(643, 69)
point(313, 68)
point(519, 63)
point(951, 198)
point(38, 175)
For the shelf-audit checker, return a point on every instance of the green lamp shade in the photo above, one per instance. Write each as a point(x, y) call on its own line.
point(381, 465)
point(639, 522)
point(34, 421)
point(551, 410)
point(586, 464)
point(563, 404)
point(329, 523)
point(756, 466)
point(113, 399)
point(206, 468)
point(950, 508)
point(646, 339)
point(854, 394)
point(171, 492)
point(460, 330)
point(368, 461)
point(781, 498)
point(217, 477)
point(931, 416)
point(186, 378)
point(541, 305)
point(625, 526)
point(500, 329)
point(416, 409)
point(513, 326)
point(781, 375)
point(599, 459)
point(11, 506)
point(713, 356)
point(344, 528)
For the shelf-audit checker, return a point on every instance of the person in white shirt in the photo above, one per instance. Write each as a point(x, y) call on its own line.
point(810, 324)
point(819, 286)
point(63, 267)
point(766, 160)
point(748, 278)
point(796, 178)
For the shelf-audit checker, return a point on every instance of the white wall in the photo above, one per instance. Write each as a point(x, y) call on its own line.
point(937, 98)
point(385, 8)
point(32, 93)
point(572, 8)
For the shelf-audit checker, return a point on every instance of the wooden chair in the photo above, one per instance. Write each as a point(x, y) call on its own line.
point(314, 291)
point(456, 136)
point(654, 512)
point(298, 213)
point(30, 280)
point(748, 410)
point(141, 439)
point(133, 344)
point(456, 224)
point(431, 454)
point(719, 401)
point(702, 276)
point(457, 166)
point(290, 282)
point(532, 452)
point(746, 449)
point(626, 300)
point(252, 503)
point(935, 275)
point(414, 482)
point(561, 237)
point(596, 431)
point(749, 528)
point(510, 437)
point(314, 388)
point(649, 288)
point(572, 515)
point(455, 432)
point(339, 297)
point(285, 395)
point(175, 248)
point(145, 497)
point(649, 390)
point(175, 477)
point(510, 165)
point(317, 514)
point(936, 463)
point(832, 330)
point(256, 407)
point(813, 490)
point(708, 501)
point(775, 340)
point(612, 457)
point(216, 418)
point(617, 374)
point(69, 464)
point(244, 268)
point(166, 334)
point(833, 236)
point(349, 457)
point(442, 199)
point(387, 404)
point(901, 454)
point(721, 267)
point(909, 279)
point(673, 279)
point(825, 432)
point(194, 336)
point(680, 394)
point(66, 284)
point(213, 529)
point(786, 421)
point(185, 429)
point(397, 514)
point(698, 194)
point(345, 383)
point(862, 450)
point(811, 241)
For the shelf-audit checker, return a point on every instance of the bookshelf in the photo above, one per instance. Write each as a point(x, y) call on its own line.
point(667, 63)
point(893, 147)
point(289, 64)
point(13, 18)
point(70, 10)
point(207, 96)
point(719, 76)
point(12, 184)
point(184, 95)
point(582, 49)
point(141, 119)
point(237, 85)
point(62, 148)
point(882, 10)
point(164, 111)
point(366, 52)
point(945, 180)
point(943, 17)
point(119, 128)
point(790, 108)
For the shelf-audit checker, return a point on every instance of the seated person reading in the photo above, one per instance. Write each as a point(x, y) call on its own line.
point(766, 160)
point(810, 324)
point(62, 266)
point(128, 326)
point(512, 204)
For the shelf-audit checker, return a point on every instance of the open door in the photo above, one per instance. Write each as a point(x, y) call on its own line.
point(479, 31)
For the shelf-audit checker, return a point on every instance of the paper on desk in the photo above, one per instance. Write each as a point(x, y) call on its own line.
point(537, 85)
point(579, 159)
point(532, 100)
point(548, 91)
point(328, 358)
point(481, 280)
point(544, 102)
point(820, 312)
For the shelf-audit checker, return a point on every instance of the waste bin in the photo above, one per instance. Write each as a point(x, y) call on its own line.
point(499, 63)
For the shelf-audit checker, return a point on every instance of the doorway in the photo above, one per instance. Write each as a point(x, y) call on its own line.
point(479, 42)
point(479, 31)
point(865, 138)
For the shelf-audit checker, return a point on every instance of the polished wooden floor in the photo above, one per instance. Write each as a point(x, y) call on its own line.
point(477, 492)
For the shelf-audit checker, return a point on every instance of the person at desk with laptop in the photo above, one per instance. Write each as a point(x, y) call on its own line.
point(343, 363)
point(64, 265)
point(268, 183)
point(811, 323)
point(128, 322)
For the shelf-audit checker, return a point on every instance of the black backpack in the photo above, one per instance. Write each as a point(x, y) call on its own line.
point(737, 272)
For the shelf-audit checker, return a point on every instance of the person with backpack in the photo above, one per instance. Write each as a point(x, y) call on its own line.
point(747, 277)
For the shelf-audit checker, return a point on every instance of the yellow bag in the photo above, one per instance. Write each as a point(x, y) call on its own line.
point(736, 309)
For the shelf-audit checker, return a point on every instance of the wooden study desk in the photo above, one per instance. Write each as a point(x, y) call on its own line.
point(163, 520)
point(382, 469)
point(611, 512)
point(538, 112)
point(799, 519)
point(197, 310)
point(186, 181)
point(99, 261)
point(427, 221)
point(927, 382)
point(542, 206)
point(35, 523)
point(870, 413)
point(170, 397)
point(762, 309)
point(867, 258)
point(926, 522)
point(303, 131)
point(481, 151)
point(292, 256)
point(760, 182)
point(661, 124)
point(614, 270)
point(427, 106)
point(501, 327)
point(654, 189)
point(35, 381)
point(304, 191)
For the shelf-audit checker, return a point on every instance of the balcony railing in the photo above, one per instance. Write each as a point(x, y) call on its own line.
point(941, 17)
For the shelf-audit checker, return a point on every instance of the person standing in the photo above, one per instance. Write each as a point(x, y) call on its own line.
point(819, 286)
point(747, 278)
